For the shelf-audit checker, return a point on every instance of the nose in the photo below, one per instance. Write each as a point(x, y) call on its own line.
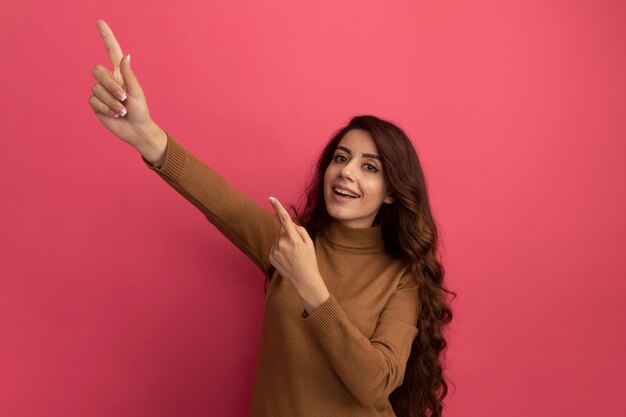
point(347, 171)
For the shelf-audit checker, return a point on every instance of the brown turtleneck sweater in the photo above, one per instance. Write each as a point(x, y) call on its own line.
point(347, 356)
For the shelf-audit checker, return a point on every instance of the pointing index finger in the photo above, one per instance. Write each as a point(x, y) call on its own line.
point(113, 48)
point(284, 217)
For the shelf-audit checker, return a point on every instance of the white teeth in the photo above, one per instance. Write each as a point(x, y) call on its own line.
point(345, 192)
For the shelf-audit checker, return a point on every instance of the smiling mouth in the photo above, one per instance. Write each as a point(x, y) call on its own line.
point(344, 193)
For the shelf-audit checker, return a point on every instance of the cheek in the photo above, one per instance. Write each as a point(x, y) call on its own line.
point(328, 176)
point(375, 189)
point(327, 179)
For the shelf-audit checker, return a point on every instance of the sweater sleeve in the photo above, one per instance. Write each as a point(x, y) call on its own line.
point(246, 224)
point(370, 369)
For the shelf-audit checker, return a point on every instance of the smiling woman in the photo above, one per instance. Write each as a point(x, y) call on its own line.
point(373, 156)
point(354, 186)
point(356, 307)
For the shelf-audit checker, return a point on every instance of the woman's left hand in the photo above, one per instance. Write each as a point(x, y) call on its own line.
point(293, 256)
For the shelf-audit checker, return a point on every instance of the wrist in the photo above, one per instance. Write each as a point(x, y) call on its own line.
point(152, 143)
point(314, 295)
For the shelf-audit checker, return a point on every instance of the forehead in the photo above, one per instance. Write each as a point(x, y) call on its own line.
point(358, 141)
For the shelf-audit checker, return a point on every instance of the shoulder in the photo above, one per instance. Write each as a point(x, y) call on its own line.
point(408, 279)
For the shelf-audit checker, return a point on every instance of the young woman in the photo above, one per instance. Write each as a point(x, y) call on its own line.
point(355, 307)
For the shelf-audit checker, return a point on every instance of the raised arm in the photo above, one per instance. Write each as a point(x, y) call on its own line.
point(119, 102)
point(246, 224)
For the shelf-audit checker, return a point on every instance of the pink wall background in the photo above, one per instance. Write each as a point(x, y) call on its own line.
point(118, 298)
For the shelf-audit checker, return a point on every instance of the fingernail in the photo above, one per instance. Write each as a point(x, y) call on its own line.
point(271, 199)
point(121, 95)
point(122, 111)
point(112, 113)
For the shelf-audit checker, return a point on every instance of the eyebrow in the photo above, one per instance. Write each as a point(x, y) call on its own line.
point(366, 155)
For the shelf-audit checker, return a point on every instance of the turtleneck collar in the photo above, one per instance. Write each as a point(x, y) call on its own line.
point(354, 239)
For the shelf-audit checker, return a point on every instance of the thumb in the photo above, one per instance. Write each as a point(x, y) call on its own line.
point(130, 80)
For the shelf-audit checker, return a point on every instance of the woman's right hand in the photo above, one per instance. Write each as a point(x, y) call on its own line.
point(120, 104)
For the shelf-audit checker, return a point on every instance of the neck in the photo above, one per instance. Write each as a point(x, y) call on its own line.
point(354, 238)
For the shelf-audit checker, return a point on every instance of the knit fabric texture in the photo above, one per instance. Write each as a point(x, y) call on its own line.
point(347, 356)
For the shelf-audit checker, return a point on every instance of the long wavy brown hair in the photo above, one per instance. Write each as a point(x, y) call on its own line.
point(410, 233)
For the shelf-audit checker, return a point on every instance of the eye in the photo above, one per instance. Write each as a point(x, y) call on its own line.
point(371, 168)
point(340, 158)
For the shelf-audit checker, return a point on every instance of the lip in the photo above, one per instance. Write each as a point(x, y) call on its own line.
point(336, 185)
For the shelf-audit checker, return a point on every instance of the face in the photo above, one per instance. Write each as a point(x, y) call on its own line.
point(354, 185)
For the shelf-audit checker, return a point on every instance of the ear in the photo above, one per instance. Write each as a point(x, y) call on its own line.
point(389, 199)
